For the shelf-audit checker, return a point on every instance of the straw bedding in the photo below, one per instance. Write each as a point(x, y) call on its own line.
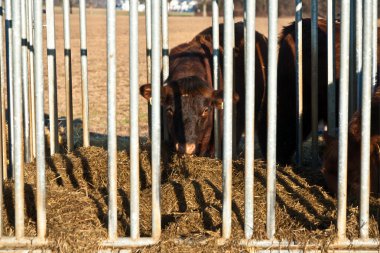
point(191, 203)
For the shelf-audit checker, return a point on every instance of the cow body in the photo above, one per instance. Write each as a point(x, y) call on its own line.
point(188, 97)
point(330, 159)
point(286, 91)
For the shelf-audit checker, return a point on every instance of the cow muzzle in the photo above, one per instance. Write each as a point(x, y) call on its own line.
point(188, 149)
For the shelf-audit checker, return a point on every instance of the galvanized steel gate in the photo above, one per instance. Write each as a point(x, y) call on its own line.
point(24, 24)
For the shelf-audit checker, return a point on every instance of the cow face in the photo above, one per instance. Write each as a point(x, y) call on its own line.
point(188, 106)
point(330, 164)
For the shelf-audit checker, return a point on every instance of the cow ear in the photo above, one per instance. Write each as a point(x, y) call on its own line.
point(165, 94)
point(146, 91)
point(217, 98)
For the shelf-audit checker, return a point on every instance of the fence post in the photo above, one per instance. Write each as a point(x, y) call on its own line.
point(366, 118)
point(18, 164)
point(52, 76)
point(165, 57)
point(314, 82)
point(134, 116)
point(215, 46)
point(299, 81)
point(83, 53)
point(359, 49)
point(111, 119)
point(3, 113)
point(250, 47)
point(272, 118)
point(353, 88)
point(40, 134)
point(3, 153)
point(148, 28)
point(227, 118)
point(331, 87)
point(8, 51)
point(374, 43)
point(156, 120)
point(32, 105)
point(343, 118)
point(68, 79)
point(25, 83)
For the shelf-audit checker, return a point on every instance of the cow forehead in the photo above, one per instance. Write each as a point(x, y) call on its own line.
point(193, 98)
point(187, 97)
point(189, 102)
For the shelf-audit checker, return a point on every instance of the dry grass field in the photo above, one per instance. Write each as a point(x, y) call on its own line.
point(191, 188)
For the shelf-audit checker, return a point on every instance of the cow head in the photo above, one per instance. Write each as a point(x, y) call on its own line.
point(188, 105)
point(330, 163)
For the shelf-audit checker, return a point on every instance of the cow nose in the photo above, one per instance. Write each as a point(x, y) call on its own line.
point(187, 149)
point(180, 148)
point(190, 148)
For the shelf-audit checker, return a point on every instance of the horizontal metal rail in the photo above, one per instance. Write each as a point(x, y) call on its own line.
point(127, 242)
point(25, 242)
point(351, 245)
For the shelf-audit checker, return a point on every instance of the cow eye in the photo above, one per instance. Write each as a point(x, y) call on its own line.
point(169, 112)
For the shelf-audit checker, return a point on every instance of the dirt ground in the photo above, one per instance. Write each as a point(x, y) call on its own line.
point(181, 29)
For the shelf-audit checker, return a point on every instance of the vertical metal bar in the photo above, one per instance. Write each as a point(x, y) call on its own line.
point(68, 80)
point(83, 52)
point(250, 42)
point(17, 120)
point(3, 143)
point(234, 112)
point(148, 28)
point(374, 43)
point(165, 40)
point(331, 88)
point(156, 120)
point(359, 49)
point(32, 86)
point(2, 93)
point(272, 118)
point(3, 154)
point(8, 49)
point(215, 46)
point(52, 76)
point(1, 147)
point(40, 134)
point(165, 55)
point(353, 88)
point(134, 116)
point(299, 80)
point(314, 81)
point(227, 117)
point(366, 119)
point(25, 82)
point(343, 118)
point(112, 141)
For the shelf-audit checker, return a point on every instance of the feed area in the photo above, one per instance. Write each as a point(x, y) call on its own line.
point(191, 187)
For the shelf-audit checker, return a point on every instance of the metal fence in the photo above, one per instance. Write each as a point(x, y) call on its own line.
point(18, 95)
point(369, 60)
point(25, 96)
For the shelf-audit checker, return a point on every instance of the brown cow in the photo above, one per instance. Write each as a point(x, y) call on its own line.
point(188, 98)
point(330, 161)
point(286, 93)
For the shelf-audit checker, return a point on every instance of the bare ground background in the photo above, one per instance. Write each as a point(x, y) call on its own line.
point(181, 29)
